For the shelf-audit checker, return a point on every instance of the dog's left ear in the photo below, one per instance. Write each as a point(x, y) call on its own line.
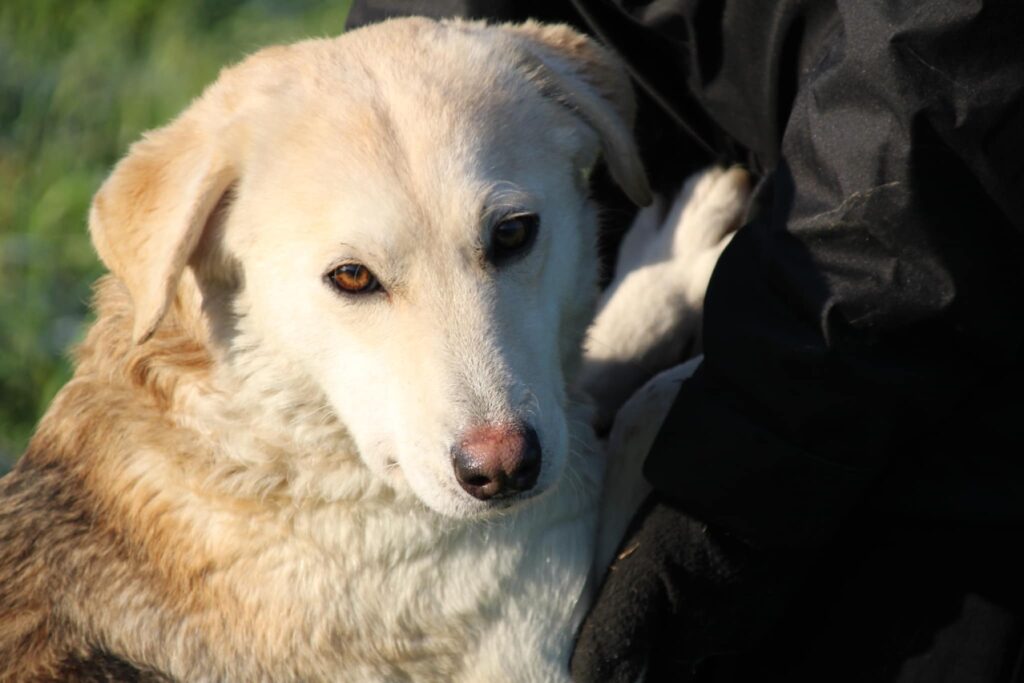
point(594, 83)
point(149, 215)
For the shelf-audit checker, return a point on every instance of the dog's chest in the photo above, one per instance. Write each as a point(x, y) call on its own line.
point(399, 593)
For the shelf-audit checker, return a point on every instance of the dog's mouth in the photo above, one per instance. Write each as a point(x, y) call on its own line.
point(476, 508)
point(471, 488)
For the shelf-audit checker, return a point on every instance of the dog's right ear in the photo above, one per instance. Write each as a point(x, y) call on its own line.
point(149, 215)
point(595, 85)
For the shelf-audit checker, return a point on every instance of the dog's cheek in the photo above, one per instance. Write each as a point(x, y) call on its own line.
point(303, 331)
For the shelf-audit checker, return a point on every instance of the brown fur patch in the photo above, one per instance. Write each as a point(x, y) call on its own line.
point(61, 532)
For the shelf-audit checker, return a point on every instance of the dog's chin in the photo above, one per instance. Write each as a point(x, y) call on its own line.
point(453, 502)
point(470, 508)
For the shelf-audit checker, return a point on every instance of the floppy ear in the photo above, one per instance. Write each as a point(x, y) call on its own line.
point(594, 84)
point(148, 216)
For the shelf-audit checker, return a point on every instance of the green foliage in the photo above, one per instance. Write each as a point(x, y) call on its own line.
point(79, 81)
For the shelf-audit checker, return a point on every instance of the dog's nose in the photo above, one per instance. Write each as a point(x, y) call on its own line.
point(493, 461)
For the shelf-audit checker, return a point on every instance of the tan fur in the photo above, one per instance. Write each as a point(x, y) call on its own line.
point(79, 535)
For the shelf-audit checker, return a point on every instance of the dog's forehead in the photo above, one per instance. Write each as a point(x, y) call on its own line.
point(420, 93)
point(413, 125)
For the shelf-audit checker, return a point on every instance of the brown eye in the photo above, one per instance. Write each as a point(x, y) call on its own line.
point(353, 278)
point(513, 236)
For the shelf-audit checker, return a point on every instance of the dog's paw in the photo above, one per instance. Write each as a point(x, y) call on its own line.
point(683, 240)
point(652, 312)
point(700, 223)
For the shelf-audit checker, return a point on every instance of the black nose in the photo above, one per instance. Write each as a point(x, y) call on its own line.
point(492, 461)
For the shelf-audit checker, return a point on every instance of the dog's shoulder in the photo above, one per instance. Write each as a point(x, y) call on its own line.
point(61, 541)
point(47, 528)
point(66, 559)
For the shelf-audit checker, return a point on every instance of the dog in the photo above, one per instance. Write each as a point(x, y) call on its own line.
point(331, 421)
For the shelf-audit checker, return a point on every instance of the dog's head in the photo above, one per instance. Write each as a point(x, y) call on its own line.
point(400, 217)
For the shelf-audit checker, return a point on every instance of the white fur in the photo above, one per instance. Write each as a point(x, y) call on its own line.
point(664, 267)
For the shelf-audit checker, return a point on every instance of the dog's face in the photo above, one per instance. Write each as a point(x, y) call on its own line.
point(406, 225)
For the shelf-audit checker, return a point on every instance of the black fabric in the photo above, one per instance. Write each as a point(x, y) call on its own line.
point(861, 391)
point(678, 595)
point(869, 313)
point(913, 601)
point(863, 334)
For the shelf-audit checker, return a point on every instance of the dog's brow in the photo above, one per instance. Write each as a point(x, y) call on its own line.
point(503, 199)
point(370, 256)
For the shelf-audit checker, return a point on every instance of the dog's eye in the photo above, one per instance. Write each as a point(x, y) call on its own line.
point(353, 278)
point(513, 236)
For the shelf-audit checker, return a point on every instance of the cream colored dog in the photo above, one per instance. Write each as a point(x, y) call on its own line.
point(328, 423)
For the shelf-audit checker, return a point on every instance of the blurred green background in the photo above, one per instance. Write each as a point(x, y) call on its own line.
point(79, 81)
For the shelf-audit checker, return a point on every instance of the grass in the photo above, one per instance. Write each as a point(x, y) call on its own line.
point(79, 81)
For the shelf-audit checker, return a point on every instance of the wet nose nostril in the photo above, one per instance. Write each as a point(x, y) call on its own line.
point(473, 475)
point(494, 461)
point(476, 480)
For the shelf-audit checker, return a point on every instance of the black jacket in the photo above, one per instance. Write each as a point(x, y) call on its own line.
point(864, 333)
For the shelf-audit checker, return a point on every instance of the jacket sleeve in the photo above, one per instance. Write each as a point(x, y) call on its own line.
point(878, 290)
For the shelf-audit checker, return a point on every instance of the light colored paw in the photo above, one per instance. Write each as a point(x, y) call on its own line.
point(703, 218)
point(652, 312)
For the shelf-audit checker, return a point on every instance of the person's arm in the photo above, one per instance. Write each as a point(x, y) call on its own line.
point(879, 287)
point(876, 288)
